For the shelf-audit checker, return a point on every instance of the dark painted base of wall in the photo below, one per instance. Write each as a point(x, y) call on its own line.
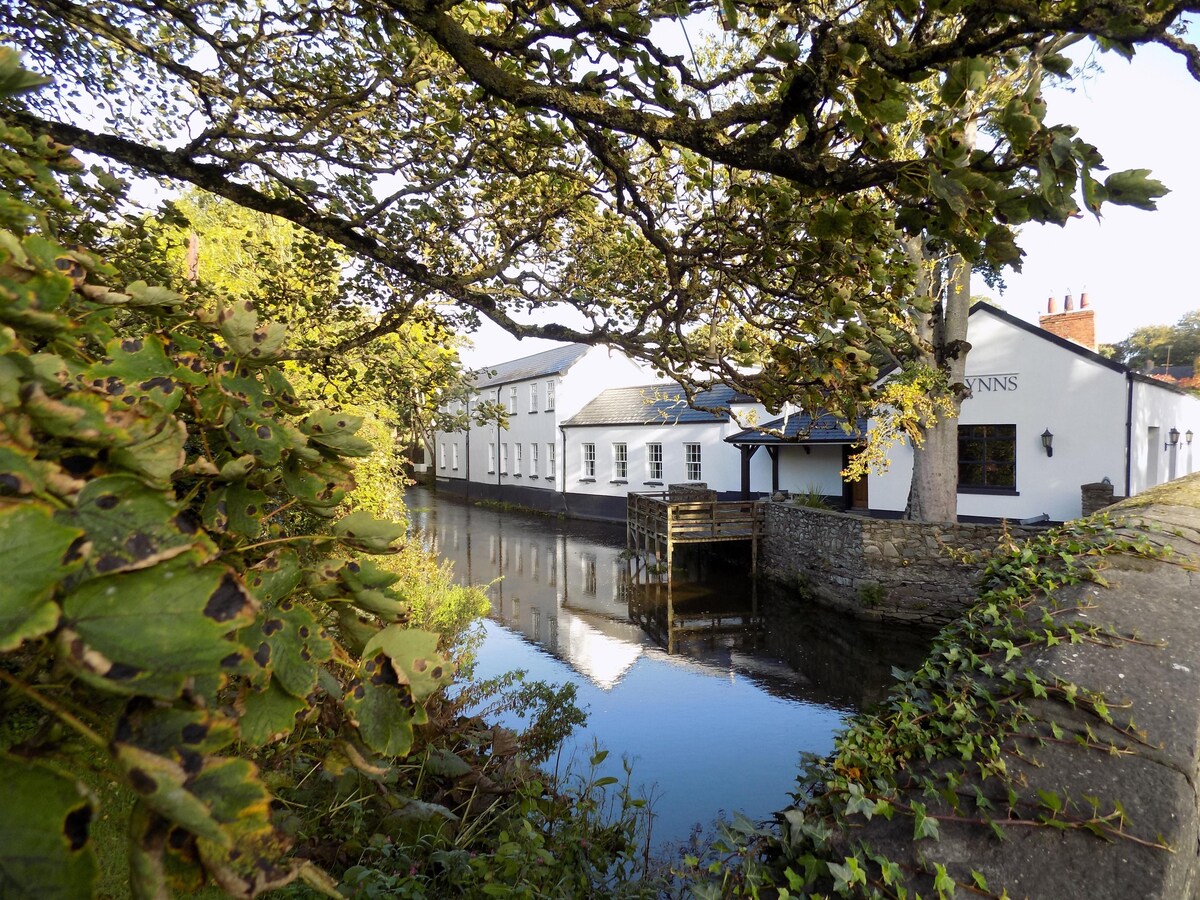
point(573, 506)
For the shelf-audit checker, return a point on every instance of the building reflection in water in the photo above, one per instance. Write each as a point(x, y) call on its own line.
point(563, 586)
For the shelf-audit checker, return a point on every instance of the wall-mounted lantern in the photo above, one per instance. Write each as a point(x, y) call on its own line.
point(1187, 435)
point(1172, 438)
point(1048, 442)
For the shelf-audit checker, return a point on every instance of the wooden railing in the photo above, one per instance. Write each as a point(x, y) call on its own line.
point(704, 520)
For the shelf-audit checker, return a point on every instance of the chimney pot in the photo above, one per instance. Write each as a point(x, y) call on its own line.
point(1052, 305)
point(1083, 301)
point(1068, 302)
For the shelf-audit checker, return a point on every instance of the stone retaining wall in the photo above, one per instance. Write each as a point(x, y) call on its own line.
point(877, 568)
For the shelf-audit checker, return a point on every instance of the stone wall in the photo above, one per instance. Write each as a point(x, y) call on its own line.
point(1095, 496)
point(877, 568)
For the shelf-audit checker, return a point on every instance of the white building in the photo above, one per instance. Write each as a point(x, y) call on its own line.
point(585, 428)
point(1032, 387)
point(523, 462)
point(646, 437)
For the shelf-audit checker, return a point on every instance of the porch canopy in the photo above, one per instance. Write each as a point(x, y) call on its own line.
point(800, 430)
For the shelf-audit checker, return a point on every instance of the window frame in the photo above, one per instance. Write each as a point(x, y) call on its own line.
point(620, 461)
point(512, 400)
point(518, 455)
point(504, 458)
point(979, 433)
point(550, 396)
point(654, 461)
point(689, 462)
point(551, 453)
point(533, 397)
point(587, 461)
point(491, 457)
point(533, 460)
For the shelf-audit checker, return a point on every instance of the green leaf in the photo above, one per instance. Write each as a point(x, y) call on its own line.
point(336, 432)
point(166, 622)
point(1134, 187)
point(296, 644)
point(29, 533)
point(160, 784)
point(414, 657)
point(131, 526)
point(365, 532)
point(269, 715)
point(45, 849)
point(380, 713)
point(253, 343)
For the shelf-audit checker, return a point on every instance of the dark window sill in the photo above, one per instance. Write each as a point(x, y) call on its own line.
point(1001, 492)
point(531, 477)
point(516, 475)
point(587, 480)
point(618, 481)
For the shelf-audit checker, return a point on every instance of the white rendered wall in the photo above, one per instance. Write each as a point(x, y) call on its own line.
point(800, 472)
point(1022, 379)
point(1156, 411)
point(721, 463)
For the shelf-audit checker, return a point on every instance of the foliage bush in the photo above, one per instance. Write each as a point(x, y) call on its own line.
point(193, 616)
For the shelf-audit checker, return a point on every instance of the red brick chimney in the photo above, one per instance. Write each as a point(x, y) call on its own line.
point(1077, 325)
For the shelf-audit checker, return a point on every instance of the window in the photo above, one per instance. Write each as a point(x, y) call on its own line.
point(533, 460)
point(589, 461)
point(550, 451)
point(987, 457)
point(504, 459)
point(441, 456)
point(620, 461)
point(492, 457)
point(691, 459)
point(549, 396)
point(533, 398)
point(654, 461)
point(512, 400)
point(517, 459)
point(454, 457)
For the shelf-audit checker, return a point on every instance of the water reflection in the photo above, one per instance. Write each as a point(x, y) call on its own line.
point(714, 688)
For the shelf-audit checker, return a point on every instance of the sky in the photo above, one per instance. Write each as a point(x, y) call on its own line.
point(1137, 267)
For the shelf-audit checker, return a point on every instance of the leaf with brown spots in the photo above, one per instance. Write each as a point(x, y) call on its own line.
point(28, 533)
point(336, 432)
point(255, 344)
point(45, 849)
point(130, 526)
point(171, 620)
point(415, 657)
point(298, 645)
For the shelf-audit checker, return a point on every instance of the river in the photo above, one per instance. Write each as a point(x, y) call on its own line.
point(715, 726)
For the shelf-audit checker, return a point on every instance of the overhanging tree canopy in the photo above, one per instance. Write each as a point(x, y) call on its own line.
point(511, 157)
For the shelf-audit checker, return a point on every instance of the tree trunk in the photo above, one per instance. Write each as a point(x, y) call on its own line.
point(933, 492)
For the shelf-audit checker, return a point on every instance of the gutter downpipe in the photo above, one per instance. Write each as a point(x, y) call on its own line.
point(562, 484)
point(1129, 434)
point(468, 447)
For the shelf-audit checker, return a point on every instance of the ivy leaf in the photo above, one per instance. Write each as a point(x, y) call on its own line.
point(45, 850)
point(29, 533)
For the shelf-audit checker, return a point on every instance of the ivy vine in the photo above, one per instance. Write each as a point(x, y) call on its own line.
point(951, 743)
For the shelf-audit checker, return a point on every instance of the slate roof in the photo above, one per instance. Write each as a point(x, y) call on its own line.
point(548, 362)
point(655, 404)
point(827, 429)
